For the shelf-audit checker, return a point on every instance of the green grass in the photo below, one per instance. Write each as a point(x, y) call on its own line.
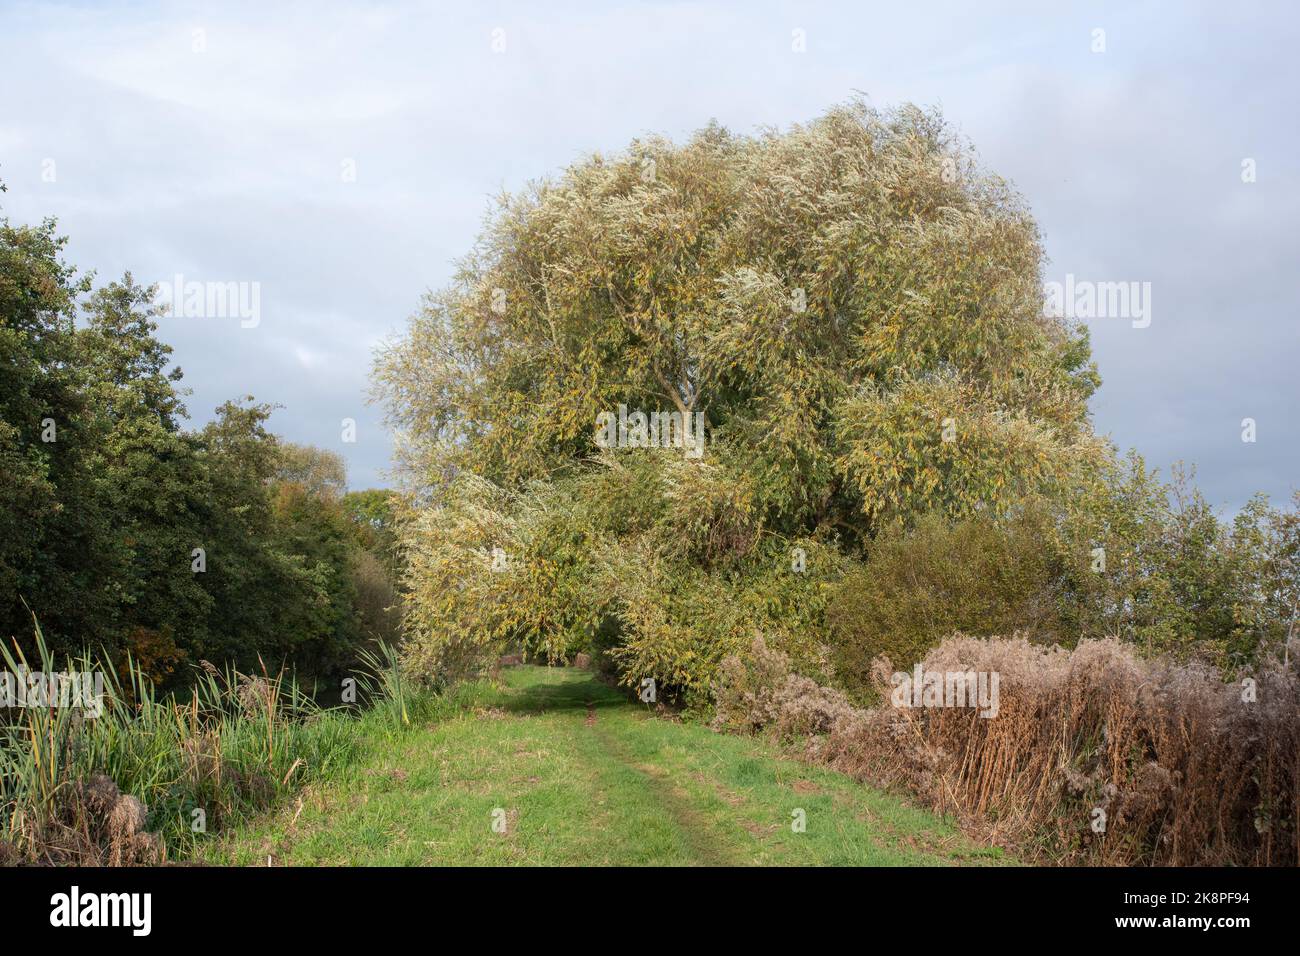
point(582, 776)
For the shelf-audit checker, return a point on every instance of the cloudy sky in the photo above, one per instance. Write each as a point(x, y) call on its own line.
point(219, 141)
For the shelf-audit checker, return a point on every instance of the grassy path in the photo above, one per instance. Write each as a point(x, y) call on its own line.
point(578, 774)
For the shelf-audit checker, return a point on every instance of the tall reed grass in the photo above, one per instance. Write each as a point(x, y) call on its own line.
point(150, 777)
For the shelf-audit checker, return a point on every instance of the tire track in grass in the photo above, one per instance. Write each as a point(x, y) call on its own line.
point(701, 843)
point(592, 779)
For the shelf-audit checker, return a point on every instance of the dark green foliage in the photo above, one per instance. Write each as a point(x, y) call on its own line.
point(979, 576)
point(373, 516)
point(105, 496)
point(1127, 557)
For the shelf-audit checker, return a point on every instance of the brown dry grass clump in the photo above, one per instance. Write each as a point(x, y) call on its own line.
point(1184, 768)
point(97, 825)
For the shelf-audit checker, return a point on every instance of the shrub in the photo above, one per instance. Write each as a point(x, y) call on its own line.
point(378, 602)
point(1151, 563)
point(1126, 556)
point(979, 576)
point(1186, 768)
point(758, 691)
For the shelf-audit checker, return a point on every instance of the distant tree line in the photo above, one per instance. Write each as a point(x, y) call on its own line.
point(123, 530)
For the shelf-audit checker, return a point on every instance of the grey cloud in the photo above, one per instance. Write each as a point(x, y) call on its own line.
point(225, 165)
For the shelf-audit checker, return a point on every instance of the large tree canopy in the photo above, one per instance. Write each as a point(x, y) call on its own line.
point(854, 306)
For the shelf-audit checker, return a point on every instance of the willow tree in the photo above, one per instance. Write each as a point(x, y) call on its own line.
point(854, 306)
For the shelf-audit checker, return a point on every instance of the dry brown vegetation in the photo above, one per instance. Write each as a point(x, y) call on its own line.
point(1187, 769)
